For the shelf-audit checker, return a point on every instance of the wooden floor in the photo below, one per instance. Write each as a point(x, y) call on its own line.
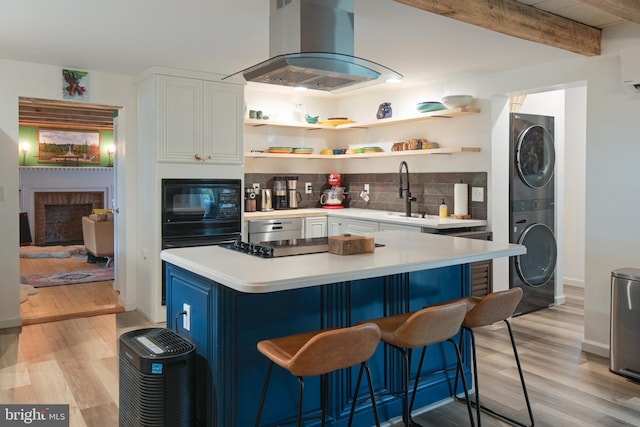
point(75, 361)
point(67, 301)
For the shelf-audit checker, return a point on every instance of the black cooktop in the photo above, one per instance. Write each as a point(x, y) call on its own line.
point(279, 248)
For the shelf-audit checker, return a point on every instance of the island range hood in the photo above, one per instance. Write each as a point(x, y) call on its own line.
point(311, 45)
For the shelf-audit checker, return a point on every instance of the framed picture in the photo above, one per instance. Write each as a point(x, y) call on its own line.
point(75, 85)
point(68, 147)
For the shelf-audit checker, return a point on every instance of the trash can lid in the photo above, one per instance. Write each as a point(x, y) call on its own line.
point(627, 273)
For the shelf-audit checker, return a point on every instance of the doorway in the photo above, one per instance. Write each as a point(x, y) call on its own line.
point(91, 171)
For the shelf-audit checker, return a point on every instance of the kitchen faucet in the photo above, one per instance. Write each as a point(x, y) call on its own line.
point(408, 198)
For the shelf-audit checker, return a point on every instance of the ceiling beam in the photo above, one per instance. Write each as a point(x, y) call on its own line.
point(625, 9)
point(518, 20)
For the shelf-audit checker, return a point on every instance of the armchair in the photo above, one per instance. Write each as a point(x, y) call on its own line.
point(97, 232)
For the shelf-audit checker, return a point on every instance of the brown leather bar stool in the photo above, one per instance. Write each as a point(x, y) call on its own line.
point(319, 353)
point(484, 311)
point(420, 329)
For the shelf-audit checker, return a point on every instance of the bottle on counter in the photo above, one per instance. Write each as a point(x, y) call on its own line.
point(444, 210)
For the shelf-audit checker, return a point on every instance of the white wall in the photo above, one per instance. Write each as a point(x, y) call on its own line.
point(574, 185)
point(20, 79)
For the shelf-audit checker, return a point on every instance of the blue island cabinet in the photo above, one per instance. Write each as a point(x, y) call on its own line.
point(226, 325)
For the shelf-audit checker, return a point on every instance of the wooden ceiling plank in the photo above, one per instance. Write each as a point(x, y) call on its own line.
point(626, 9)
point(519, 20)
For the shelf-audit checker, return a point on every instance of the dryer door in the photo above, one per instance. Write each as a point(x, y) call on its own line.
point(535, 268)
point(535, 157)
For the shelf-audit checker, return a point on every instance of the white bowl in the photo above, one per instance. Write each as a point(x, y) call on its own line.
point(457, 101)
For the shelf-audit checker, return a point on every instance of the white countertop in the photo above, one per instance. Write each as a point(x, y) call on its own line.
point(430, 221)
point(404, 251)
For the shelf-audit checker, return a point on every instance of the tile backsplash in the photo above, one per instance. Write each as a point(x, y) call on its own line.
point(428, 188)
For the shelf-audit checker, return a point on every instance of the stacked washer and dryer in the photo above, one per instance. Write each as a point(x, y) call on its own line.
point(532, 202)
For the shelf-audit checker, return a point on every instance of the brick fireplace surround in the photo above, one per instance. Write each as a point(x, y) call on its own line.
point(58, 215)
point(62, 194)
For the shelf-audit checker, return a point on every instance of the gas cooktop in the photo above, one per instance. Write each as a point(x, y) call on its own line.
point(280, 248)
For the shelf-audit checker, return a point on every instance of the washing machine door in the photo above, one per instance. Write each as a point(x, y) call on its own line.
point(535, 157)
point(535, 268)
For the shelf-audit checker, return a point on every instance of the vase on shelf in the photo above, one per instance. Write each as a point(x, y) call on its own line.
point(384, 111)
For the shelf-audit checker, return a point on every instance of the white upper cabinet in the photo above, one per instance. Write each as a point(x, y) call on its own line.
point(198, 121)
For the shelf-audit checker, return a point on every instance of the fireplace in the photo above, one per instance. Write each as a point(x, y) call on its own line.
point(58, 215)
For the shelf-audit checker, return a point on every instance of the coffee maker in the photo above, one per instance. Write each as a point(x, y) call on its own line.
point(293, 196)
point(280, 192)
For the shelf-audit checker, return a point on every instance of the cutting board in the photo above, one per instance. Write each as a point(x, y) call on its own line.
point(347, 244)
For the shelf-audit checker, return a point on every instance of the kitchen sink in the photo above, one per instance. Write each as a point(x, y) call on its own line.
point(413, 215)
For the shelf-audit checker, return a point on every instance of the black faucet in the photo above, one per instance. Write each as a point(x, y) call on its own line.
point(408, 198)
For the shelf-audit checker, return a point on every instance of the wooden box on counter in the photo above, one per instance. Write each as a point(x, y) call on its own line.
point(347, 244)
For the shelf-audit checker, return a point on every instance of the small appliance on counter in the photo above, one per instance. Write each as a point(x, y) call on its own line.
point(293, 195)
point(280, 192)
point(266, 204)
point(335, 197)
point(250, 200)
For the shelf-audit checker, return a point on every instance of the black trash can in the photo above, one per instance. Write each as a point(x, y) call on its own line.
point(157, 379)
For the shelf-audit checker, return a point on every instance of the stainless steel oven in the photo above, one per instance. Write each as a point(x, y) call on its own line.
point(200, 212)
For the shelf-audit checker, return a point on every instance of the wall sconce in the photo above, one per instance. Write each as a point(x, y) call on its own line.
point(110, 150)
point(24, 147)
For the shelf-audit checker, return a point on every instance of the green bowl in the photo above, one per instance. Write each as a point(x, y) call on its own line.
point(425, 107)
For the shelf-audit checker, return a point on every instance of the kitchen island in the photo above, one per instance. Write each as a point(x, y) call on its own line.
point(236, 300)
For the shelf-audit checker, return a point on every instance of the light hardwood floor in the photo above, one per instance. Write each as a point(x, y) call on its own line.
point(76, 362)
point(68, 301)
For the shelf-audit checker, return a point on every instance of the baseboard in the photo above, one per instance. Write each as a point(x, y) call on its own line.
point(595, 348)
point(572, 281)
point(11, 323)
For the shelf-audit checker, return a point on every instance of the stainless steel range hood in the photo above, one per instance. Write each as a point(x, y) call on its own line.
point(311, 45)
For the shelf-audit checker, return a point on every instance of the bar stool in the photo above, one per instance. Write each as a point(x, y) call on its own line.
point(484, 311)
point(319, 353)
point(408, 331)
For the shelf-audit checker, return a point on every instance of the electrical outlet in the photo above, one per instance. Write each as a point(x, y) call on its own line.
point(256, 187)
point(477, 194)
point(186, 318)
point(366, 188)
point(308, 188)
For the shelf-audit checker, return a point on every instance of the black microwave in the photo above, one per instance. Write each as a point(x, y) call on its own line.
point(201, 207)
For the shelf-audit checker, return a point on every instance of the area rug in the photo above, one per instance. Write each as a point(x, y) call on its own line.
point(69, 278)
point(52, 251)
point(25, 291)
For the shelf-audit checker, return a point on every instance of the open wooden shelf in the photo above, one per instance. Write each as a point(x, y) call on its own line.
point(447, 114)
point(447, 150)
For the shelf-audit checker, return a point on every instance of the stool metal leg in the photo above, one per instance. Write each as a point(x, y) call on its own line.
point(406, 412)
point(264, 394)
point(480, 407)
point(415, 384)
point(324, 397)
point(300, 395)
point(363, 367)
point(464, 381)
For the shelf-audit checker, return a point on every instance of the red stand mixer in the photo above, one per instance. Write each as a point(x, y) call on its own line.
point(336, 196)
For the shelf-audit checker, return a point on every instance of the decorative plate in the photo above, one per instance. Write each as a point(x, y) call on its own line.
point(335, 122)
point(303, 151)
point(280, 150)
